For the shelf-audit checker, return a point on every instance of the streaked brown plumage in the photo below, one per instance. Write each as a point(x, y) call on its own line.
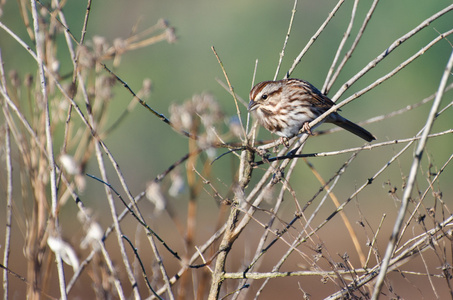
point(286, 106)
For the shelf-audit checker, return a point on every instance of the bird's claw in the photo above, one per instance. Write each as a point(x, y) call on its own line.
point(306, 127)
point(285, 141)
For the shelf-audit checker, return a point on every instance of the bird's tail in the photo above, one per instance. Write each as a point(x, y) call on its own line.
point(354, 128)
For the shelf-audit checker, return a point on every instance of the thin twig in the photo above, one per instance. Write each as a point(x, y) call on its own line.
point(346, 35)
point(39, 40)
point(282, 53)
point(389, 50)
point(421, 243)
point(334, 198)
point(313, 38)
point(330, 81)
point(354, 149)
point(9, 185)
point(139, 219)
point(145, 276)
point(376, 82)
point(238, 111)
point(373, 242)
point(411, 180)
point(149, 108)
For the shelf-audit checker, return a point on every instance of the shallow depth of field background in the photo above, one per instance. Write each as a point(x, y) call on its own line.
point(242, 32)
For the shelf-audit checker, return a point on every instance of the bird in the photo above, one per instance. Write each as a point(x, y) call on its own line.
point(286, 107)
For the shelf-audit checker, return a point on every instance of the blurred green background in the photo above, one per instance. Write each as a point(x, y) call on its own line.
point(242, 32)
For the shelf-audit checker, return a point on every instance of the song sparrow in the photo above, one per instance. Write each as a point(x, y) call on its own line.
point(286, 106)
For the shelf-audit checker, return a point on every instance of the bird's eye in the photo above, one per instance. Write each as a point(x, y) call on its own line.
point(264, 97)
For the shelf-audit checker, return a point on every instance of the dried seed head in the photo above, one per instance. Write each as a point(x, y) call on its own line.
point(171, 35)
point(28, 80)
point(69, 164)
point(67, 253)
point(155, 196)
point(147, 87)
point(15, 79)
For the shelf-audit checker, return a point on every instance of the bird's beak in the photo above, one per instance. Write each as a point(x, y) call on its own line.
point(252, 105)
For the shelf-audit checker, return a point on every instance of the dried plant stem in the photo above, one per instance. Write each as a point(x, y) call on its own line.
point(371, 179)
point(423, 197)
point(380, 80)
point(411, 180)
point(349, 150)
point(390, 114)
point(345, 219)
point(54, 79)
point(108, 260)
point(313, 38)
point(118, 231)
point(271, 275)
point(85, 23)
point(301, 236)
point(373, 242)
point(387, 51)
point(231, 233)
point(238, 111)
point(142, 268)
point(162, 117)
point(295, 221)
point(92, 125)
point(330, 80)
point(282, 53)
point(420, 243)
point(201, 249)
point(261, 249)
point(39, 40)
point(77, 200)
point(346, 35)
point(225, 246)
point(360, 189)
point(260, 188)
point(9, 187)
point(41, 147)
point(194, 187)
point(373, 63)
